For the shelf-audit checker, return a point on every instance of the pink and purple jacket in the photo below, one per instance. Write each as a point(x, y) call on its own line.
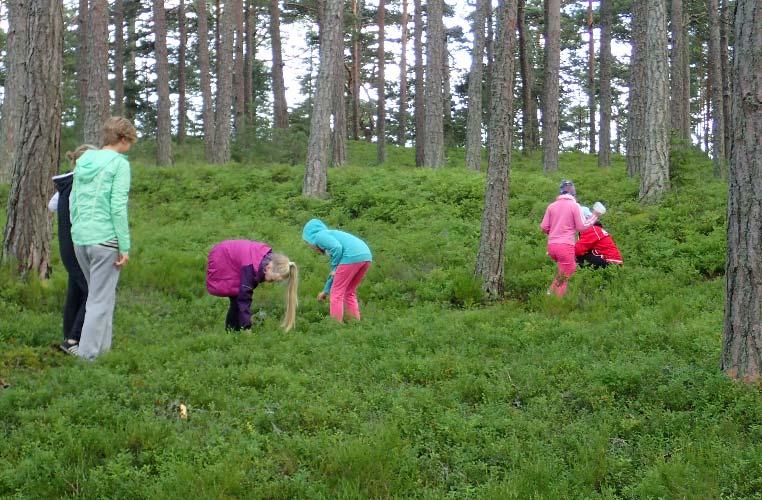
point(563, 218)
point(234, 269)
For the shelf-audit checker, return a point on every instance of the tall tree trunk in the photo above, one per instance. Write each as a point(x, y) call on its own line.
point(250, 21)
point(433, 151)
point(551, 93)
point(604, 142)
point(119, 57)
point(339, 112)
point(131, 86)
point(654, 179)
point(742, 337)
point(239, 116)
point(725, 27)
point(181, 101)
point(475, 82)
point(446, 98)
point(224, 104)
point(207, 107)
point(420, 107)
point(529, 112)
point(680, 88)
point(217, 40)
point(37, 27)
point(82, 59)
point(489, 50)
point(381, 87)
point(636, 108)
point(316, 174)
point(591, 76)
point(97, 105)
point(490, 259)
point(707, 107)
point(280, 108)
point(402, 130)
point(715, 73)
point(356, 30)
point(163, 121)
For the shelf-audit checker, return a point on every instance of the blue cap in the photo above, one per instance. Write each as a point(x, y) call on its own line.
point(567, 187)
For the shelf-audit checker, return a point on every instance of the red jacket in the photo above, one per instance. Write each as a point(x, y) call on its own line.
point(595, 239)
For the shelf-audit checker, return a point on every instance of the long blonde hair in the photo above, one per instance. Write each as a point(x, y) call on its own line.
point(287, 270)
point(73, 156)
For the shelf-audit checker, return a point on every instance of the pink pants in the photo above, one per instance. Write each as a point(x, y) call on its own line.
point(563, 255)
point(344, 289)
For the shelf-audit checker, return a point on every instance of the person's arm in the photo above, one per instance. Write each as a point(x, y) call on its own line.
point(120, 191)
point(53, 203)
point(335, 250)
point(586, 242)
point(245, 291)
point(545, 224)
point(581, 223)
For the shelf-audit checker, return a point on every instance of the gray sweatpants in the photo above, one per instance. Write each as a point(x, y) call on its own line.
point(97, 263)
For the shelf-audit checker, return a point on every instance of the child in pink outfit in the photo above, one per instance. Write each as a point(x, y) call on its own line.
point(562, 220)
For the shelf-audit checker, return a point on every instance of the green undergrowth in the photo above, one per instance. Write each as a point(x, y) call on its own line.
point(613, 391)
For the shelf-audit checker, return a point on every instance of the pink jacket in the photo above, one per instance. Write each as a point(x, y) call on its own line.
point(231, 262)
point(563, 218)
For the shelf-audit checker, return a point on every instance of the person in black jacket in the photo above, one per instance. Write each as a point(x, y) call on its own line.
point(76, 291)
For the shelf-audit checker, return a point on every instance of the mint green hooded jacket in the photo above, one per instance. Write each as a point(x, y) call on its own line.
point(343, 248)
point(98, 200)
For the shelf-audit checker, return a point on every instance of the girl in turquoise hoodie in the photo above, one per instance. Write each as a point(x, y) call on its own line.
point(350, 260)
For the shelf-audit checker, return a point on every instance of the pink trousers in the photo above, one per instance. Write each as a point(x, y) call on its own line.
point(564, 257)
point(344, 289)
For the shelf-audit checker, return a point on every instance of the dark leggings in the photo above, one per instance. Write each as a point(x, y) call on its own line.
point(231, 320)
point(74, 307)
point(589, 259)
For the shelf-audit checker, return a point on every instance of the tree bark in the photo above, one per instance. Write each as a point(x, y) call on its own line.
point(339, 111)
point(37, 27)
point(207, 108)
point(181, 99)
point(356, 29)
point(119, 57)
point(529, 111)
point(97, 104)
point(419, 103)
point(654, 180)
point(433, 151)
point(82, 59)
point(489, 50)
point(551, 92)
point(591, 76)
point(280, 108)
point(680, 87)
point(636, 108)
point(381, 87)
point(604, 142)
point(316, 173)
point(742, 336)
point(715, 74)
point(725, 27)
point(131, 86)
point(250, 21)
point(239, 115)
point(402, 130)
point(163, 121)
point(490, 259)
point(447, 127)
point(224, 104)
point(475, 82)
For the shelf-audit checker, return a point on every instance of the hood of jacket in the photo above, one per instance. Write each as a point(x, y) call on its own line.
point(311, 230)
point(90, 164)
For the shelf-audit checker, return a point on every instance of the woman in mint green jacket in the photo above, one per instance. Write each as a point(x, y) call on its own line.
point(100, 230)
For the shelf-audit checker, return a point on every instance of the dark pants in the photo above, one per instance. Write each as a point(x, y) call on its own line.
point(589, 259)
point(74, 307)
point(231, 320)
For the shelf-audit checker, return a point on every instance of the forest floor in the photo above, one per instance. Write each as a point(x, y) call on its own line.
point(613, 391)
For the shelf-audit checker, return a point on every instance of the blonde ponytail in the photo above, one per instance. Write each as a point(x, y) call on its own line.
point(288, 271)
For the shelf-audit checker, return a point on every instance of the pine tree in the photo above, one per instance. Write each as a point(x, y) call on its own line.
point(551, 80)
point(97, 105)
point(163, 120)
point(604, 141)
point(207, 107)
point(475, 81)
point(433, 151)
point(280, 108)
point(381, 88)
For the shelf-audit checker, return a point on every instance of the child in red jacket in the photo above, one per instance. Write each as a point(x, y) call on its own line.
point(595, 246)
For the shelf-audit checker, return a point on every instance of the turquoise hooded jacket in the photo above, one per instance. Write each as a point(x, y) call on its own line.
point(343, 248)
point(98, 200)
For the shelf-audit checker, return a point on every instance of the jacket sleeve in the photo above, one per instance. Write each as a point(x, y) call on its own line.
point(580, 223)
point(245, 291)
point(545, 224)
point(586, 242)
point(120, 191)
point(335, 250)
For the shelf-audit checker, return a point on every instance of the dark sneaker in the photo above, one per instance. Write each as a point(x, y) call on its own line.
point(69, 347)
